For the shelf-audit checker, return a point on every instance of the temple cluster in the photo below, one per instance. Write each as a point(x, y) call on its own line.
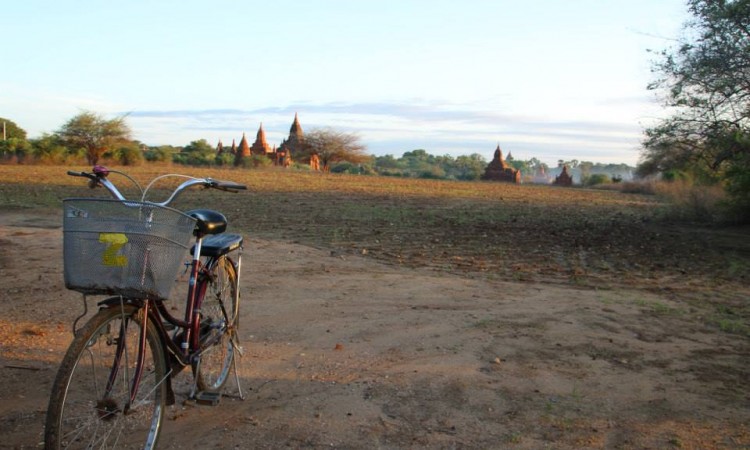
point(500, 170)
point(279, 156)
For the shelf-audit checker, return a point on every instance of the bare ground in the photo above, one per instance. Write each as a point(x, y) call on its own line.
point(342, 351)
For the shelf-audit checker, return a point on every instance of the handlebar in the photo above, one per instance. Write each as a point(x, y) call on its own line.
point(100, 173)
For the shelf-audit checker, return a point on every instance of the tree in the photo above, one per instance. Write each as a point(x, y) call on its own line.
point(162, 153)
point(387, 162)
point(13, 144)
point(705, 81)
point(536, 165)
point(48, 149)
point(468, 167)
point(94, 134)
point(12, 131)
point(15, 149)
point(197, 153)
point(129, 154)
point(333, 146)
point(595, 179)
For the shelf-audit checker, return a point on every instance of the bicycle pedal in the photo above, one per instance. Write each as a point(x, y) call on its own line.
point(208, 398)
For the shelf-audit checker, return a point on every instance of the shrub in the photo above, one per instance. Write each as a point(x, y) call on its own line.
point(595, 179)
point(225, 159)
point(343, 167)
point(255, 161)
point(688, 201)
point(129, 155)
point(159, 154)
point(646, 187)
point(15, 149)
point(432, 173)
point(738, 189)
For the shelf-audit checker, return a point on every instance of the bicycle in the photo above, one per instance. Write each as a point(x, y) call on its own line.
point(114, 382)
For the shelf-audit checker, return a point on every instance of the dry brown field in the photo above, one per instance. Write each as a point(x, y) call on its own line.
point(399, 313)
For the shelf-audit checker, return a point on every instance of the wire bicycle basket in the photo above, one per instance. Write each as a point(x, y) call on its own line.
point(128, 248)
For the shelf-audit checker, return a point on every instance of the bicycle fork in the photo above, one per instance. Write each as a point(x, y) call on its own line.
point(121, 352)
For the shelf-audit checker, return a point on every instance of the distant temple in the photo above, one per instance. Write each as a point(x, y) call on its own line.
point(296, 138)
point(564, 179)
point(281, 156)
point(242, 152)
point(293, 144)
point(499, 170)
point(260, 146)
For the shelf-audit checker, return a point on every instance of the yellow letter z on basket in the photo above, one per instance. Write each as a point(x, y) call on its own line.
point(114, 241)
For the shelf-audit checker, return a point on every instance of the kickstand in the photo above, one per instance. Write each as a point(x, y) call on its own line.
point(238, 348)
point(194, 387)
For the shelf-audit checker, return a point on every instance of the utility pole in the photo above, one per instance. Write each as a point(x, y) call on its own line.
point(3, 130)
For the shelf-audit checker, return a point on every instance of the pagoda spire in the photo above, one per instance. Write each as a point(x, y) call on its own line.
point(498, 153)
point(242, 152)
point(260, 146)
point(296, 128)
point(261, 136)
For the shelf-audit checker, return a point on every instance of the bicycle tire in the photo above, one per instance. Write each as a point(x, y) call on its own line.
point(80, 414)
point(219, 323)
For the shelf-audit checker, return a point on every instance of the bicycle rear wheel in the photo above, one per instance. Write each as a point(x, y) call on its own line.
point(90, 404)
point(219, 322)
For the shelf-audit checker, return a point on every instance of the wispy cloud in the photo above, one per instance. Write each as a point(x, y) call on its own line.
point(403, 126)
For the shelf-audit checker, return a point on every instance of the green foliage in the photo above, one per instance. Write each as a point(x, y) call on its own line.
point(197, 153)
point(255, 161)
point(705, 82)
point(14, 146)
point(467, 168)
point(12, 131)
point(595, 179)
point(49, 149)
point(225, 159)
point(333, 146)
point(432, 173)
point(94, 134)
point(300, 167)
point(738, 187)
point(386, 162)
point(352, 169)
point(129, 154)
point(162, 153)
point(15, 149)
point(420, 164)
point(521, 165)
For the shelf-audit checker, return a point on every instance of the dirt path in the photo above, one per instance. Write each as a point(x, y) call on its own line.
point(345, 352)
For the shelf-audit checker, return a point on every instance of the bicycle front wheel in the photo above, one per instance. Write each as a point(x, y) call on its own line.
point(219, 322)
point(91, 404)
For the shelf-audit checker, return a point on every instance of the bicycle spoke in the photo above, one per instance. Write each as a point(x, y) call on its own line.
point(219, 313)
point(83, 414)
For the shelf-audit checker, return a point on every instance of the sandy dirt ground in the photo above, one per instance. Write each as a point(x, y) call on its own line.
point(345, 352)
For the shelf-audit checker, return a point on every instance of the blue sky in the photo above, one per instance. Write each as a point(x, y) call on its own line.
point(550, 79)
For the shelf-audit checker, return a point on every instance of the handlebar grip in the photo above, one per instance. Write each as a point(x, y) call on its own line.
point(74, 173)
point(231, 185)
point(228, 186)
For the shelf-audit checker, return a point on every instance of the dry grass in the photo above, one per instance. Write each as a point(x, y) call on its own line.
point(683, 200)
point(516, 232)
